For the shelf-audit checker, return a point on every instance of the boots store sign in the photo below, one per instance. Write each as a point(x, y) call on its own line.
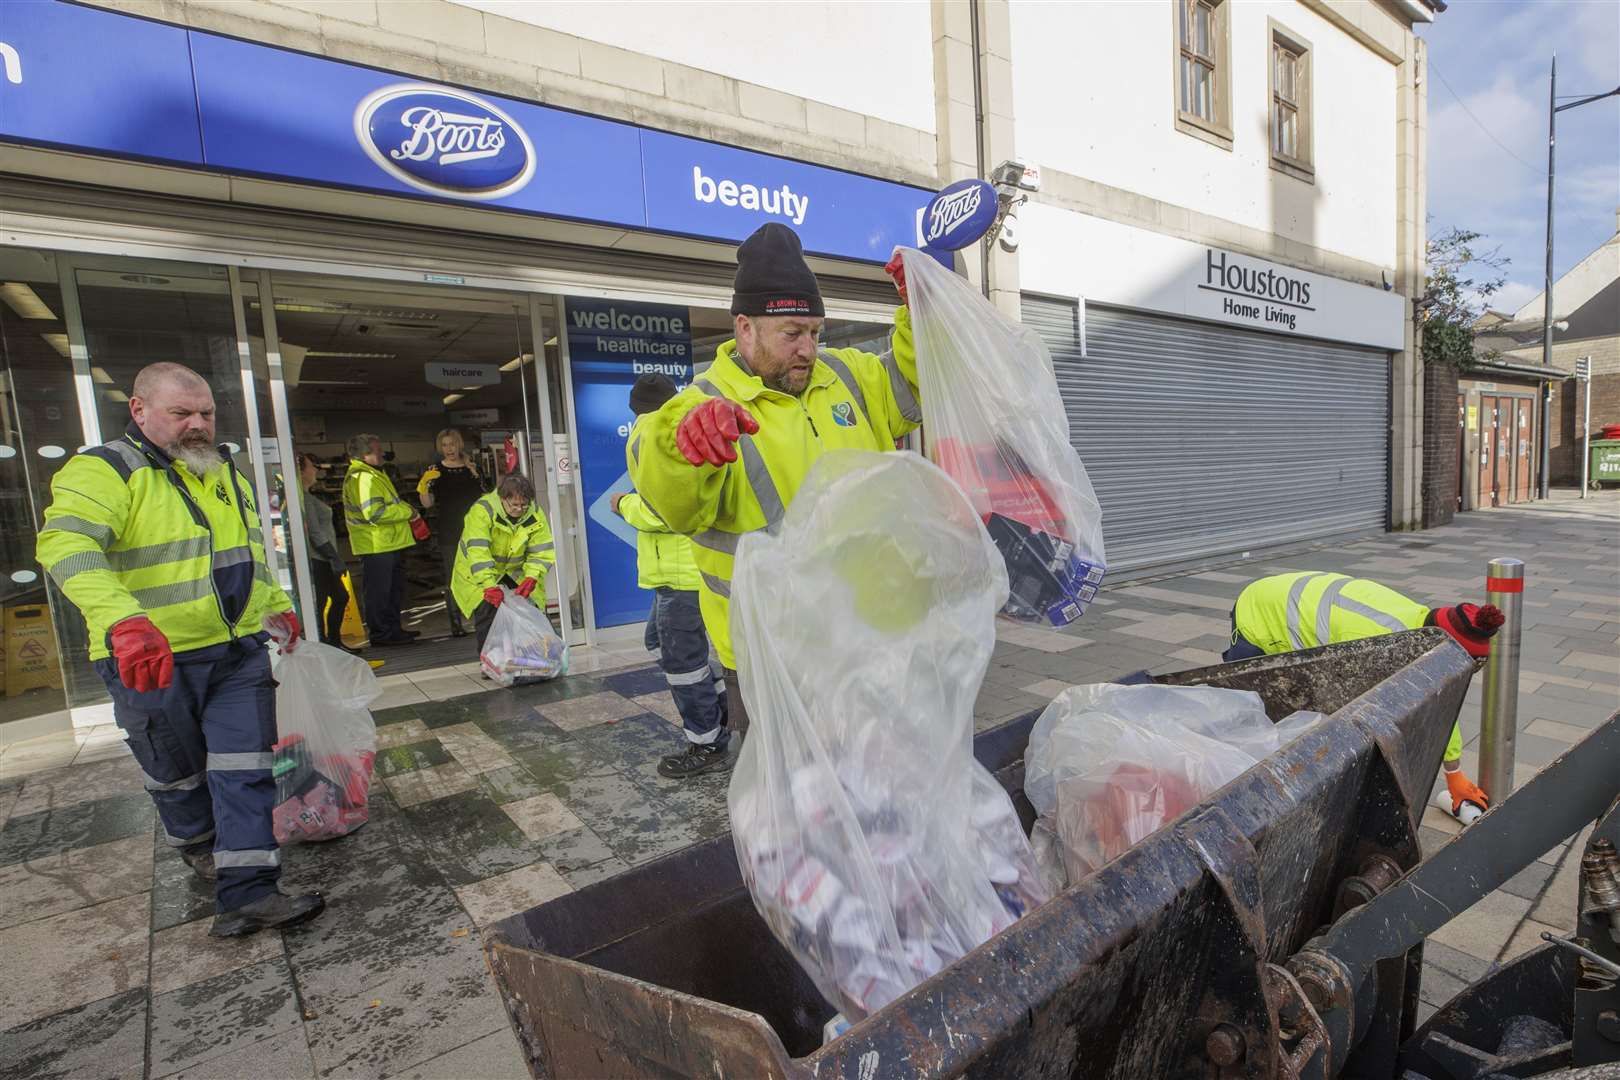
point(444, 142)
point(101, 82)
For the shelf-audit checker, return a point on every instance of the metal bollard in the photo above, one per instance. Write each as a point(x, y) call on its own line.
point(1499, 713)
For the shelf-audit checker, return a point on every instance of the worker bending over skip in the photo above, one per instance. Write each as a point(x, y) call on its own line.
point(1288, 612)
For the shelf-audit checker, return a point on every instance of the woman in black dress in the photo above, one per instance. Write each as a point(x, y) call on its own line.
point(452, 486)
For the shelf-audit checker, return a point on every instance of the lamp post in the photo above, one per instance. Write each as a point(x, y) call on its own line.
point(1553, 109)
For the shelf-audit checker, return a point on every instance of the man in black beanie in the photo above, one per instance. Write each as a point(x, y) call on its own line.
point(674, 634)
point(777, 401)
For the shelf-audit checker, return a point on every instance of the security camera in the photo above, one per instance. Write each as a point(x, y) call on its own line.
point(1015, 174)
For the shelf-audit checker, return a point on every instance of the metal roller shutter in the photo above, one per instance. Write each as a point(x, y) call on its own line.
point(1205, 440)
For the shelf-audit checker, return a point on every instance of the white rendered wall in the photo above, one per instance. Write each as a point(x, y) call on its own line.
point(1095, 93)
point(871, 58)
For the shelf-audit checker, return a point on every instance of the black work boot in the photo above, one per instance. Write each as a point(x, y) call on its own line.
point(694, 761)
point(200, 857)
point(274, 912)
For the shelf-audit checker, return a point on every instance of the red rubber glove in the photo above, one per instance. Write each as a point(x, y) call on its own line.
point(145, 661)
point(419, 529)
point(896, 269)
point(526, 588)
point(493, 597)
point(284, 629)
point(706, 435)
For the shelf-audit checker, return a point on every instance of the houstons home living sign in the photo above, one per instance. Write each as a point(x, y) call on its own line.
point(1124, 266)
point(1264, 295)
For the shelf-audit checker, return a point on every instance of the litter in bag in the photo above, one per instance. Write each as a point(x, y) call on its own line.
point(522, 647)
point(327, 743)
point(995, 422)
point(1108, 765)
point(876, 847)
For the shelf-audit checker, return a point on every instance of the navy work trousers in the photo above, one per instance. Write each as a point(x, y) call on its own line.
point(676, 638)
point(382, 576)
point(204, 745)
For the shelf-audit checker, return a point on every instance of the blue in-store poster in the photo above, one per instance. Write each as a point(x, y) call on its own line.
point(610, 344)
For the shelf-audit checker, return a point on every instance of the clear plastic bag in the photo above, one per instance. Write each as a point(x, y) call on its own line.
point(995, 422)
point(522, 647)
point(327, 743)
point(1108, 765)
point(876, 847)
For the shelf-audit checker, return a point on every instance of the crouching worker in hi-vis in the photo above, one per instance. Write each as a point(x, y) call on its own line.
point(155, 537)
point(1289, 612)
point(675, 634)
point(505, 540)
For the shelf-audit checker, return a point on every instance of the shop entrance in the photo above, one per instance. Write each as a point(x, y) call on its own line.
point(426, 370)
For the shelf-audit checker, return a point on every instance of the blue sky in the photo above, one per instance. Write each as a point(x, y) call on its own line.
point(1494, 56)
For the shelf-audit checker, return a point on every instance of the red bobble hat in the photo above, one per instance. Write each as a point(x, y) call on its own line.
point(1471, 625)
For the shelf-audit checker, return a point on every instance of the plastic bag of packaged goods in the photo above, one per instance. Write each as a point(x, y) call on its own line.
point(326, 743)
point(994, 421)
point(522, 647)
point(876, 847)
point(1108, 765)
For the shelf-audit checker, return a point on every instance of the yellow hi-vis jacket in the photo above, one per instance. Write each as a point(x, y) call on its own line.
point(1289, 612)
point(855, 400)
point(493, 547)
point(379, 520)
point(664, 559)
point(130, 533)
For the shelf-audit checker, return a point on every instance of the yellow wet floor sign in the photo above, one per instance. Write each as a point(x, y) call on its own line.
point(354, 632)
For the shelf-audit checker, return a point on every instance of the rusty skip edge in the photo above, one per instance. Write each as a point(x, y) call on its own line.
point(1096, 982)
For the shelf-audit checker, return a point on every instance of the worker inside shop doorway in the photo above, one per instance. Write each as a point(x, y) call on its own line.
point(415, 402)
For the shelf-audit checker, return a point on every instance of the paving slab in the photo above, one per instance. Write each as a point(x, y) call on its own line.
point(222, 1016)
point(280, 1057)
point(104, 1038)
point(429, 1001)
point(74, 958)
point(73, 879)
point(186, 954)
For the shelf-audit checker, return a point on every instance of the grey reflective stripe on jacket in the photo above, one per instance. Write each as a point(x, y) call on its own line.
point(847, 377)
point(78, 563)
point(760, 482)
point(101, 534)
point(139, 558)
point(903, 396)
point(1356, 607)
point(1296, 592)
point(1332, 598)
point(175, 592)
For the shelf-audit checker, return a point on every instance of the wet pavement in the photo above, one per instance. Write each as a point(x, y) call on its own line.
point(489, 802)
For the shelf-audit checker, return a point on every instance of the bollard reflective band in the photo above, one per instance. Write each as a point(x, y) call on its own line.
point(1503, 584)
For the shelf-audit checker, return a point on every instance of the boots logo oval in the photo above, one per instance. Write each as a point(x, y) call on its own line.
point(445, 142)
point(957, 216)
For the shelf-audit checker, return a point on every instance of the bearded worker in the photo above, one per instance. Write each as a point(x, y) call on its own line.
point(727, 455)
point(155, 538)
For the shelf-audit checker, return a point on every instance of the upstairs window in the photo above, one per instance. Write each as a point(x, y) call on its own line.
point(1290, 104)
point(1203, 70)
